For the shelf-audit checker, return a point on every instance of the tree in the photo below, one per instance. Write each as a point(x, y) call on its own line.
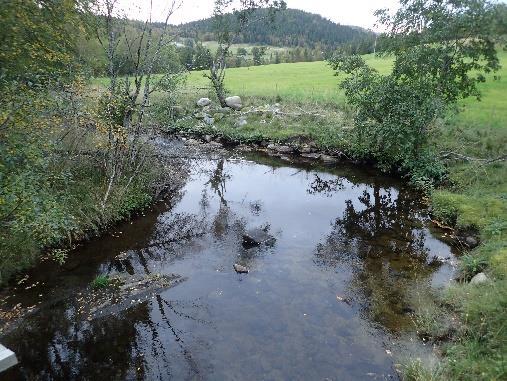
point(258, 54)
point(441, 49)
point(227, 31)
point(124, 106)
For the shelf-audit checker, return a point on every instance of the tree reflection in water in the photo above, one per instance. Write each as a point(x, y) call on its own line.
point(380, 238)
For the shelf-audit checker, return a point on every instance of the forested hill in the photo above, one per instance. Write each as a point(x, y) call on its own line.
point(291, 28)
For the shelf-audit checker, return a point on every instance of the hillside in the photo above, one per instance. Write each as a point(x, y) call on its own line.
point(291, 28)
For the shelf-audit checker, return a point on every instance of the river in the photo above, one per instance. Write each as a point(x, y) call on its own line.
point(330, 296)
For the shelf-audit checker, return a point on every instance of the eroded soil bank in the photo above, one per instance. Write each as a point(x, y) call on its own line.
point(329, 295)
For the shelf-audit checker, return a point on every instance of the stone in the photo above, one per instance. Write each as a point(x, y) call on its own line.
point(240, 269)
point(311, 155)
point(241, 122)
point(471, 242)
point(284, 149)
point(480, 278)
point(208, 138)
point(306, 149)
point(280, 149)
point(203, 102)
point(209, 120)
point(234, 103)
point(7, 358)
point(257, 237)
point(178, 111)
point(329, 159)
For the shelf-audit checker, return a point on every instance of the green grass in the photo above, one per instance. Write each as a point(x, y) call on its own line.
point(314, 81)
point(299, 82)
point(101, 281)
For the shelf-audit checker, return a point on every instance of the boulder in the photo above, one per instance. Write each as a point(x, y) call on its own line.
point(203, 102)
point(480, 278)
point(234, 103)
point(306, 149)
point(257, 237)
point(240, 269)
point(208, 138)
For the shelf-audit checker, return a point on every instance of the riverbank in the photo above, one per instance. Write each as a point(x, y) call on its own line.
point(471, 204)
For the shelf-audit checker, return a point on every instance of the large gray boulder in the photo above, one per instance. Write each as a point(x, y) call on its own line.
point(203, 102)
point(234, 103)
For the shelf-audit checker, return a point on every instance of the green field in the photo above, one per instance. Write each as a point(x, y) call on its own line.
point(314, 81)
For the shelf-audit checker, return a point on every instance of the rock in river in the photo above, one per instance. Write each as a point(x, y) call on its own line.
point(257, 237)
point(240, 269)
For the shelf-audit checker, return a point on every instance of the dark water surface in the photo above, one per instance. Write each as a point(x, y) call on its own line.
point(329, 299)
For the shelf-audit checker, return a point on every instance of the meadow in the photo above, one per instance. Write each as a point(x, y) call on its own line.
point(314, 82)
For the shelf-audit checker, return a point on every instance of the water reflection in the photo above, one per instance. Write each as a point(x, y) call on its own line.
point(321, 301)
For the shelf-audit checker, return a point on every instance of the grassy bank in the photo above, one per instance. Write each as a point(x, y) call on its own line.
point(473, 200)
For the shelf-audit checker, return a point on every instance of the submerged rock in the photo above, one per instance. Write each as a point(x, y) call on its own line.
point(480, 278)
point(257, 237)
point(240, 269)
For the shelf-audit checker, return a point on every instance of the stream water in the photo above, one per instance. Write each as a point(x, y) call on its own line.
point(329, 298)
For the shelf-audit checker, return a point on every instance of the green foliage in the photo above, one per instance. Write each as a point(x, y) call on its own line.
point(441, 50)
point(39, 38)
point(393, 118)
point(100, 282)
point(472, 264)
point(447, 44)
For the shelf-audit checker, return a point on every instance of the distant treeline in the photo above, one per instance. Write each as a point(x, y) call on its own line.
point(291, 36)
point(288, 28)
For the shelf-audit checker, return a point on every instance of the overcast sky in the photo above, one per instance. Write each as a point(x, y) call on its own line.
point(347, 12)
